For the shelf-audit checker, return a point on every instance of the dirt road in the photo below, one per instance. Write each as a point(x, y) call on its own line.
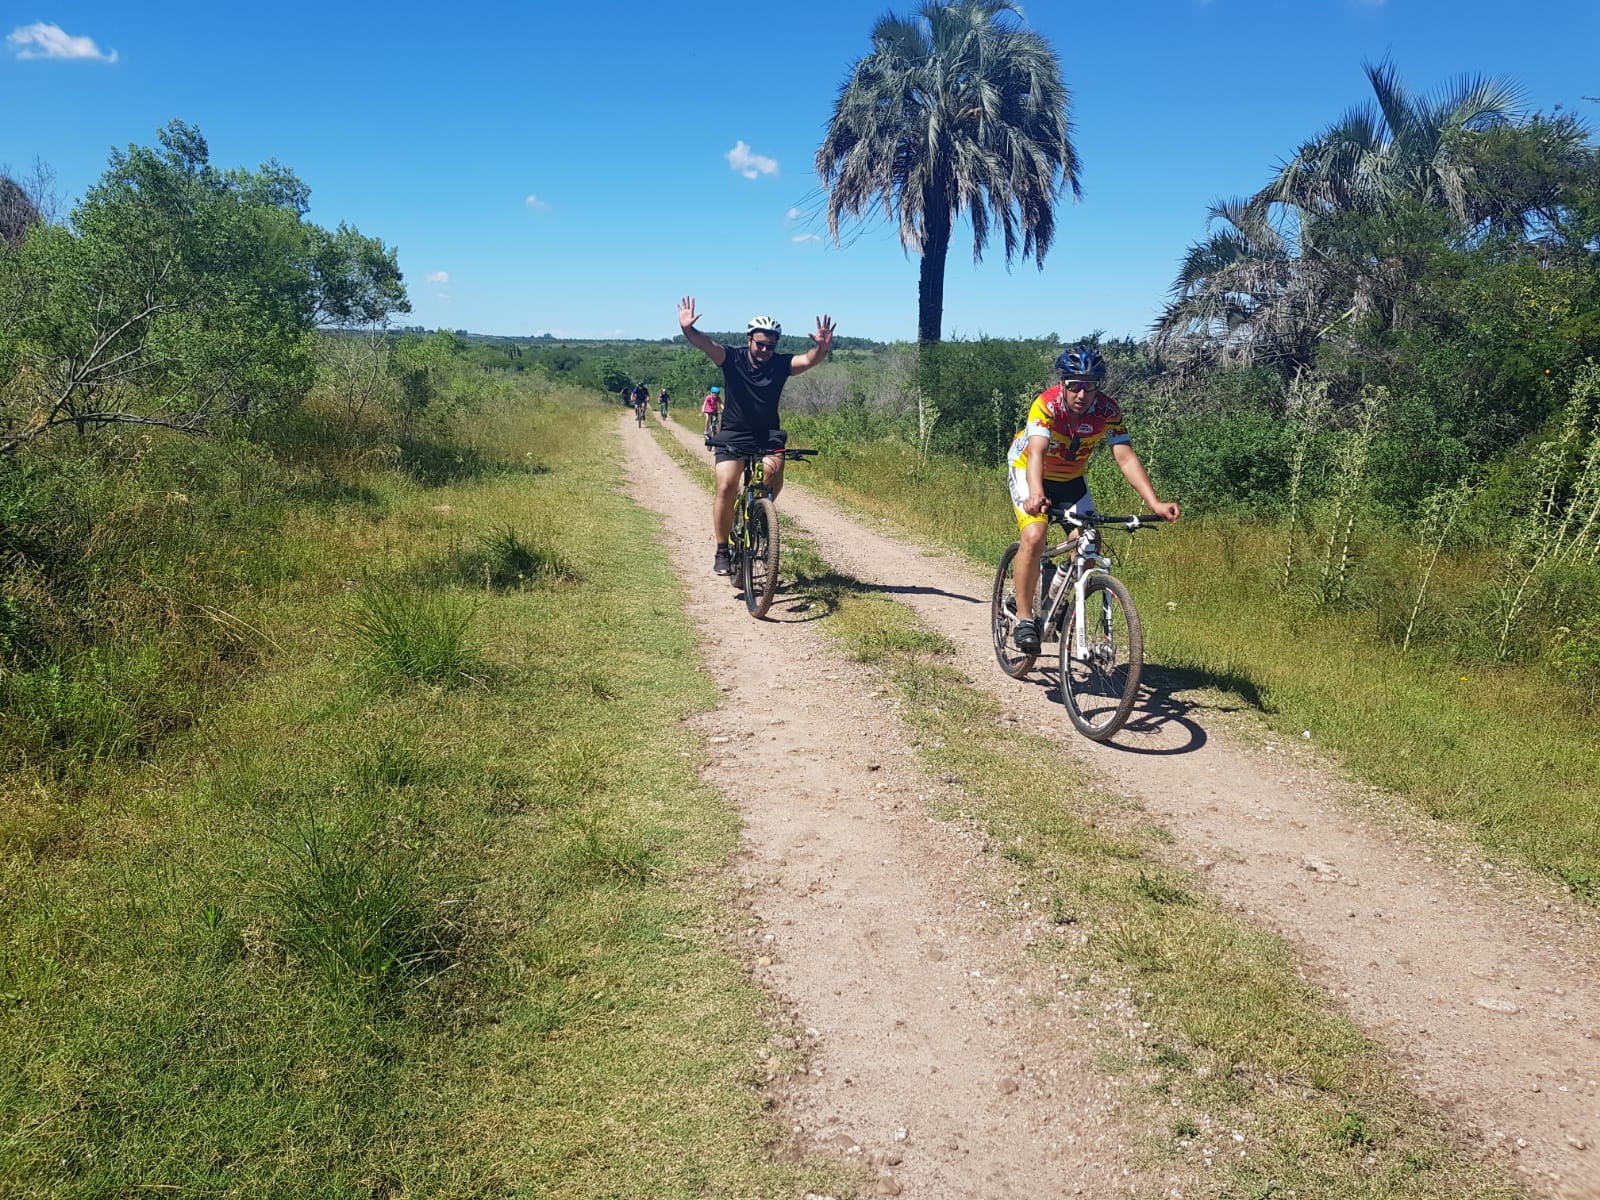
point(1483, 982)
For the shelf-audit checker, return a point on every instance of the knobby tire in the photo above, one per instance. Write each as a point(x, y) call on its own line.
point(1003, 619)
point(760, 567)
point(1099, 689)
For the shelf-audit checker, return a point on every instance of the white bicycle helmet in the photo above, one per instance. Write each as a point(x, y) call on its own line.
point(764, 325)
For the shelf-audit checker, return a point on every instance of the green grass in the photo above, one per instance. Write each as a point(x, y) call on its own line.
point(1501, 752)
point(350, 938)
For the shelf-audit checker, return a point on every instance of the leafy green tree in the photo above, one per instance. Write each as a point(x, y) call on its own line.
point(354, 279)
point(428, 371)
point(957, 111)
point(176, 295)
point(687, 375)
point(613, 376)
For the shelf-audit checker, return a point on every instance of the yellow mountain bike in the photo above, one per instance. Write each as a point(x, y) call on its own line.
point(753, 546)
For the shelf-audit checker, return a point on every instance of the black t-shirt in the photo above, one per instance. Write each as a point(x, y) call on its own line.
point(750, 394)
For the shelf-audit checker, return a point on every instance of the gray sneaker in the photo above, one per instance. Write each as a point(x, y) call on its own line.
point(1026, 635)
point(723, 563)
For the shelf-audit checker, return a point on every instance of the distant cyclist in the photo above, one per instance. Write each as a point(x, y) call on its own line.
point(627, 396)
point(1048, 459)
point(711, 406)
point(662, 398)
point(641, 406)
point(753, 376)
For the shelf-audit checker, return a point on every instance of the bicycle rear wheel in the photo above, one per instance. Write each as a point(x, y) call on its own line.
point(1003, 618)
point(1099, 688)
point(760, 566)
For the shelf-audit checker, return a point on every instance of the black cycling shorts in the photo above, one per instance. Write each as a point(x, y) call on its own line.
point(736, 445)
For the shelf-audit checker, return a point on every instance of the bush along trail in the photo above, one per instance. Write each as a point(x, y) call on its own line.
point(1380, 1008)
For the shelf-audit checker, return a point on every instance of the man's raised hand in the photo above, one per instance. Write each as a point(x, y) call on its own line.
point(823, 337)
point(686, 313)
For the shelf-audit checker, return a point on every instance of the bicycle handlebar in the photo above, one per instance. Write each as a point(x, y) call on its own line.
point(1135, 521)
point(777, 449)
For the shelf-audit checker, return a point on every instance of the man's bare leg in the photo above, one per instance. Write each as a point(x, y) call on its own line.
point(729, 476)
point(1025, 566)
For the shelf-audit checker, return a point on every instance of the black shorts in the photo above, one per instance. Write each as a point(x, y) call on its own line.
point(734, 445)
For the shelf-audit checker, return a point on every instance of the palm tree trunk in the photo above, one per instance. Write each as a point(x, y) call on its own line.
point(930, 288)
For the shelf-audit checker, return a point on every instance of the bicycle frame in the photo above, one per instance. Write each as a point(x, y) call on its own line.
point(1086, 562)
point(752, 488)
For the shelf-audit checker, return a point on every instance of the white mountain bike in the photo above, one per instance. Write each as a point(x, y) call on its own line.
point(1086, 614)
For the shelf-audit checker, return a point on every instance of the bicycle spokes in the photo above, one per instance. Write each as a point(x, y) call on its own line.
point(1100, 673)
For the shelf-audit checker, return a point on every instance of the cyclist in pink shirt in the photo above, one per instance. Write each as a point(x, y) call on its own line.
point(712, 407)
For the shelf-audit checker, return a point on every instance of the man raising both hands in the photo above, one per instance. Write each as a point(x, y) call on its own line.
point(753, 376)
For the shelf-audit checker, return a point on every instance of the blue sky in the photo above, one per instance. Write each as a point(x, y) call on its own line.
point(575, 169)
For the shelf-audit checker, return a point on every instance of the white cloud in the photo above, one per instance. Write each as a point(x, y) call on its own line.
point(806, 237)
point(437, 277)
point(51, 41)
point(534, 202)
point(792, 215)
point(750, 165)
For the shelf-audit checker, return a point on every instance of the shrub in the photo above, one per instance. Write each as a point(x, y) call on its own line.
point(504, 558)
point(358, 903)
point(415, 636)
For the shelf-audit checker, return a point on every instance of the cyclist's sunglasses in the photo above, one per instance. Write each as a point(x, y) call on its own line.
point(1078, 385)
point(764, 345)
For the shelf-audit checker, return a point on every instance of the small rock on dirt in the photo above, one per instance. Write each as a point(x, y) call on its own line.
point(1494, 1004)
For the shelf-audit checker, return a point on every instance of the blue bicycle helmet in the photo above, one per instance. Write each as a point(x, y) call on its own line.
point(1081, 362)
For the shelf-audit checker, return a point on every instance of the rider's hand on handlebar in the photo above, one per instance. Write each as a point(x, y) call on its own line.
point(1167, 510)
point(1035, 504)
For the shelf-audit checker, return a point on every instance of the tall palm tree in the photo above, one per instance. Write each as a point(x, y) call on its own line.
point(1396, 149)
point(1242, 296)
point(1324, 238)
point(958, 110)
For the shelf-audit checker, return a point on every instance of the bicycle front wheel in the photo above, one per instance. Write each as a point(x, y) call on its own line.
point(1003, 618)
point(760, 565)
point(1100, 685)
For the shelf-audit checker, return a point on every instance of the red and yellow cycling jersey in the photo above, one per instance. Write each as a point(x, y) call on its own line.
point(1072, 439)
